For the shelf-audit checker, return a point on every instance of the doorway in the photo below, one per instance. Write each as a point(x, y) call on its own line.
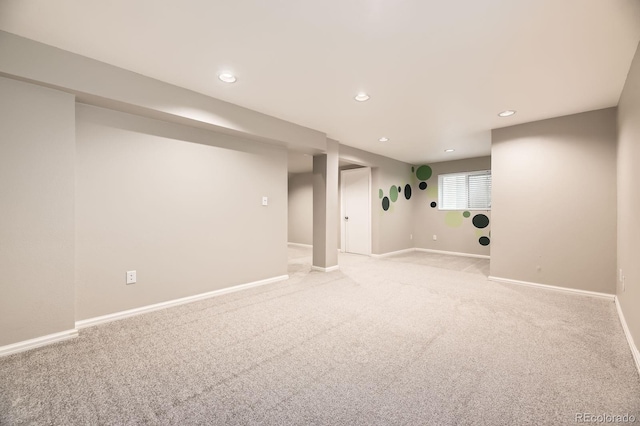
point(355, 202)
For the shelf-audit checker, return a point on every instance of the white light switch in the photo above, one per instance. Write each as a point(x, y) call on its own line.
point(265, 201)
point(131, 277)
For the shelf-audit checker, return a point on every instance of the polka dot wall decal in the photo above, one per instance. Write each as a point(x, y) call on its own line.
point(480, 221)
point(484, 241)
point(423, 172)
point(413, 169)
point(385, 204)
point(393, 193)
point(433, 204)
point(380, 193)
point(407, 191)
point(422, 185)
point(453, 219)
point(466, 214)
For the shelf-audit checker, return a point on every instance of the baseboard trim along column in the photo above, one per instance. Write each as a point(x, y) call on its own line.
point(300, 245)
point(26, 345)
point(454, 253)
point(555, 288)
point(634, 349)
point(176, 302)
point(329, 269)
point(393, 253)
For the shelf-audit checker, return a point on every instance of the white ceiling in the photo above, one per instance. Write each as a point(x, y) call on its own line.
point(438, 72)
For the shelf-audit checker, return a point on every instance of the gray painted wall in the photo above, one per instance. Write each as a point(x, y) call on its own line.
point(325, 207)
point(301, 208)
point(629, 198)
point(179, 205)
point(554, 198)
point(37, 154)
point(454, 232)
point(106, 85)
point(390, 230)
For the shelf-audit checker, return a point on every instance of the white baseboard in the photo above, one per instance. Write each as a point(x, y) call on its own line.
point(26, 345)
point(555, 288)
point(454, 253)
point(300, 245)
point(329, 269)
point(170, 303)
point(392, 253)
point(627, 333)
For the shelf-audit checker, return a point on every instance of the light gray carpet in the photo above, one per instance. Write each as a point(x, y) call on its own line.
point(382, 341)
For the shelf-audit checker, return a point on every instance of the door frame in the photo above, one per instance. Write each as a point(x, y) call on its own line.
point(343, 230)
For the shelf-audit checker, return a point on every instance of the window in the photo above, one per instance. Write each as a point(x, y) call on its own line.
point(465, 191)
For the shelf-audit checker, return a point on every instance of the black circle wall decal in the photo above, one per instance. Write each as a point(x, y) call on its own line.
point(480, 221)
point(484, 241)
point(433, 204)
point(385, 203)
point(407, 191)
point(423, 185)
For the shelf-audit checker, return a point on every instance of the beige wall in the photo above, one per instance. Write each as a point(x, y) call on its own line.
point(554, 198)
point(36, 211)
point(455, 233)
point(629, 198)
point(301, 208)
point(179, 205)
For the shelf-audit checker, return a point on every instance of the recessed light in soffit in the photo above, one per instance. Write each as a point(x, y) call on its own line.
point(506, 113)
point(361, 97)
point(227, 77)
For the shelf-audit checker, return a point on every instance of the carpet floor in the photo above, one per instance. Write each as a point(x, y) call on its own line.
point(410, 339)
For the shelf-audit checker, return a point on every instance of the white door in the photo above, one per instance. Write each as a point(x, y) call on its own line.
point(356, 210)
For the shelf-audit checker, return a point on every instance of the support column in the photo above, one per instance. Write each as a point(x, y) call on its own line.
point(325, 209)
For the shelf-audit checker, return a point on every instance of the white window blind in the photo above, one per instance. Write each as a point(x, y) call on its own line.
point(465, 191)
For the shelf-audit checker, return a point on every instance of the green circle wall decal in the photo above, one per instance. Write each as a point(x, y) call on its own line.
point(380, 193)
point(453, 219)
point(484, 241)
point(407, 191)
point(480, 221)
point(393, 193)
point(423, 172)
point(422, 185)
point(385, 204)
point(466, 214)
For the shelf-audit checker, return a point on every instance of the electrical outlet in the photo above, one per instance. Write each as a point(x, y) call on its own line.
point(265, 201)
point(435, 237)
point(131, 277)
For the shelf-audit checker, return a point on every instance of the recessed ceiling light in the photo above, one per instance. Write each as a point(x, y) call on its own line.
point(449, 150)
point(361, 97)
point(227, 77)
point(383, 139)
point(507, 113)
